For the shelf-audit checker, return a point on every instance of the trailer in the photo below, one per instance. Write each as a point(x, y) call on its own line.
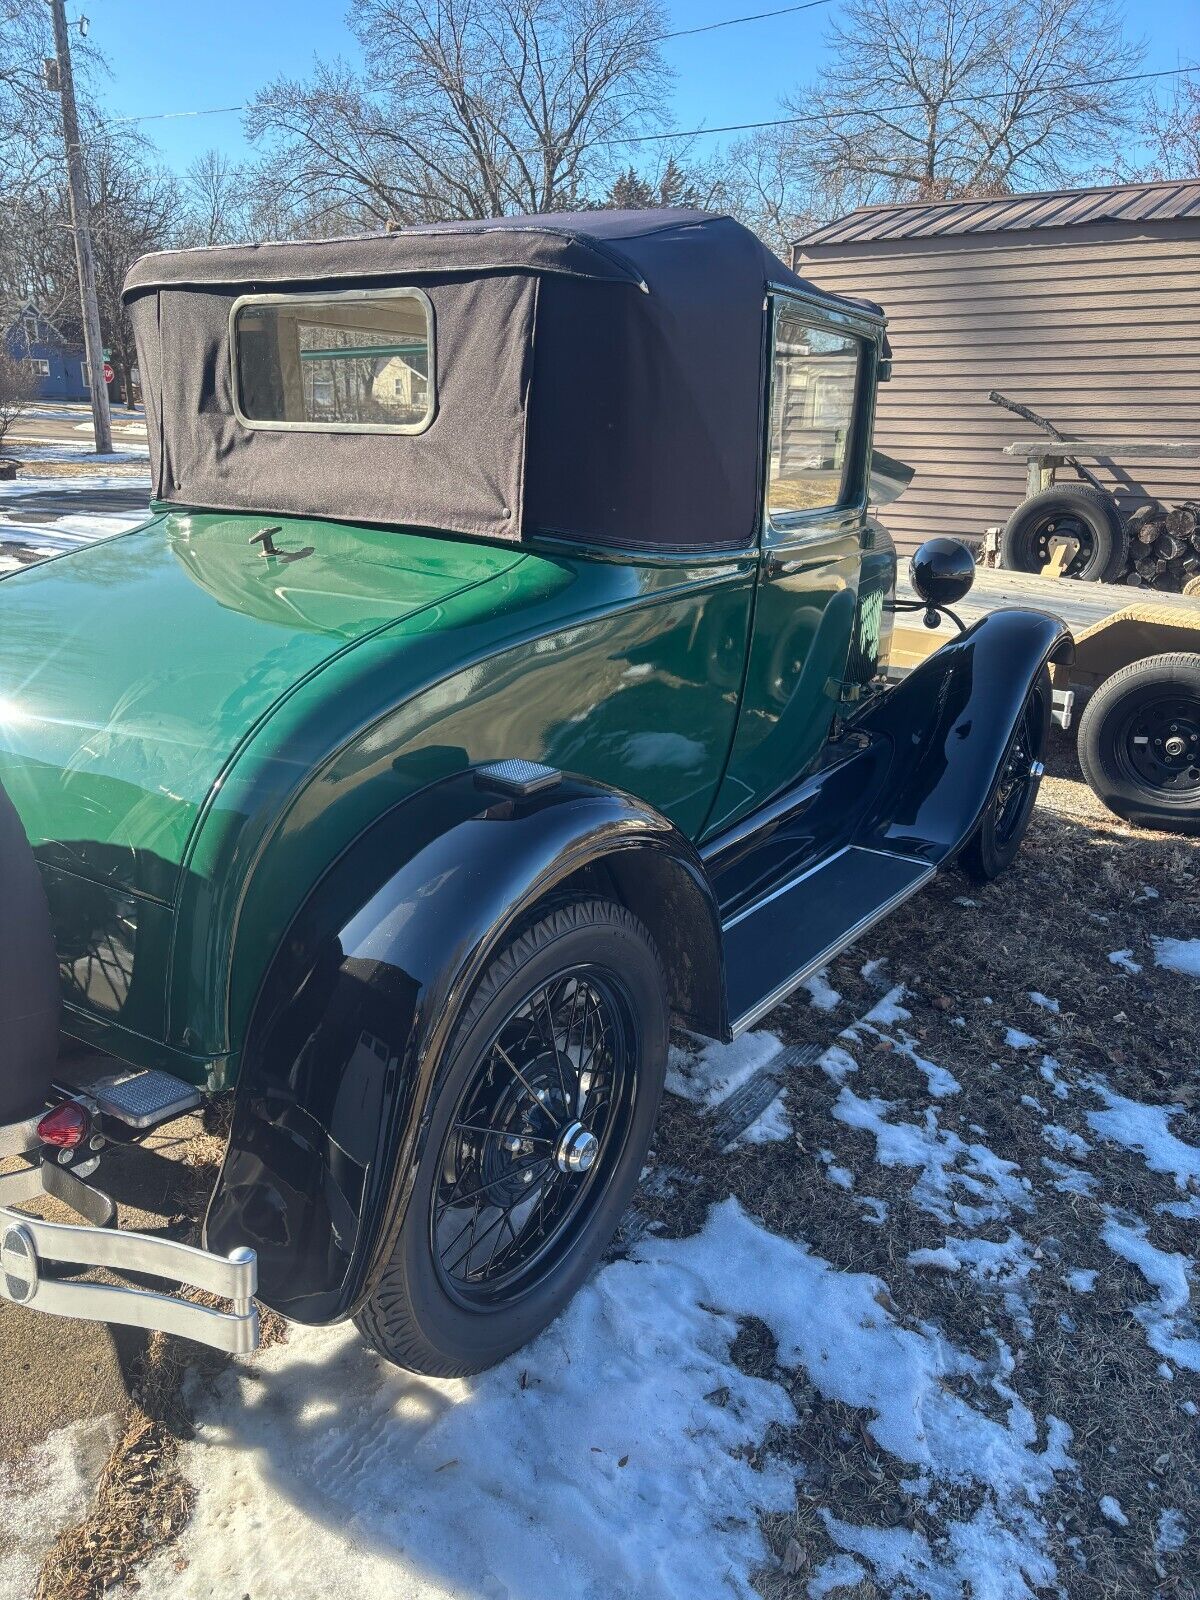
point(1133, 686)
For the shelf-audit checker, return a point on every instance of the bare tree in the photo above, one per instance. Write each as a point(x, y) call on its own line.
point(941, 98)
point(1172, 130)
point(469, 108)
point(16, 388)
point(214, 198)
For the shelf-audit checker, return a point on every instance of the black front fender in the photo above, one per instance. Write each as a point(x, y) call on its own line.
point(351, 1026)
point(949, 723)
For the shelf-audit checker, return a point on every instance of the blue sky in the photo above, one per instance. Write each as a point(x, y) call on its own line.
point(172, 56)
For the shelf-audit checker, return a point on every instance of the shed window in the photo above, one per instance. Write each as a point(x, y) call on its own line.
point(348, 363)
point(812, 414)
point(41, 367)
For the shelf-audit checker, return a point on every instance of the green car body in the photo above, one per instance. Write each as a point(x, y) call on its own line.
point(192, 734)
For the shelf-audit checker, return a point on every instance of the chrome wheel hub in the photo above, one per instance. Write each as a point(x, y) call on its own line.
point(577, 1148)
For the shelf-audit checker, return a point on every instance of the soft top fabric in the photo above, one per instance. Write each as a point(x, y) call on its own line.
point(599, 377)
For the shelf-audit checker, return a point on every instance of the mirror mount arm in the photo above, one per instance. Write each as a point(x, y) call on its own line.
point(932, 614)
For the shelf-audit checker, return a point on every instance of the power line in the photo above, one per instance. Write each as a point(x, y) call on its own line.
point(911, 105)
point(732, 22)
point(771, 122)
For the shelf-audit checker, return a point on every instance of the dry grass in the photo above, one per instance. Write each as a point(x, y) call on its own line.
point(1076, 893)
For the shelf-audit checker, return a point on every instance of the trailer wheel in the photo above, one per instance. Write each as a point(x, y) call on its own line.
point(1079, 512)
point(29, 994)
point(1139, 743)
point(994, 844)
point(537, 1134)
point(1192, 587)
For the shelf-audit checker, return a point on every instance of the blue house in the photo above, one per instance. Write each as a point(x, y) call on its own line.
point(59, 369)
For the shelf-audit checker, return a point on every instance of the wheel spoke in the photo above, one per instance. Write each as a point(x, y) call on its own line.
point(501, 1133)
point(524, 1082)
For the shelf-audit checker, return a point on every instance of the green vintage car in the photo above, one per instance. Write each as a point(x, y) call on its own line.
point(500, 677)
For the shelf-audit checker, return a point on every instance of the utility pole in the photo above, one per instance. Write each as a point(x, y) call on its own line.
point(85, 265)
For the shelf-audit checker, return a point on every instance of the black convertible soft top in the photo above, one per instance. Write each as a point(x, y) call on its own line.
point(598, 376)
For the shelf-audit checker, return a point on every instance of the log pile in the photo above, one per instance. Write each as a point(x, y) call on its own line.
point(1164, 546)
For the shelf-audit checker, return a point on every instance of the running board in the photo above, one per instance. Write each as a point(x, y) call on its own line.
point(774, 944)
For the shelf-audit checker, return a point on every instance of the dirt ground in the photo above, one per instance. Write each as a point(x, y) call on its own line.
point(970, 959)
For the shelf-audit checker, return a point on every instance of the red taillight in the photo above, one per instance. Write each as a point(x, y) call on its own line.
point(66, 1126)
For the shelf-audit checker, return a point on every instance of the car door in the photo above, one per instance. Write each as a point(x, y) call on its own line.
point(818, 442)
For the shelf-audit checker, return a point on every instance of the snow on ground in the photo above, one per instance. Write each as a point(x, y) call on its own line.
point(1124, 960)
point(771, 1124)
point(55, 450)
point(1179, 955)
point(1145, 1129)
point(608, 1458)
point(711, 1073)
point(26, 531)
point(957, 1181)
point(1170, 1330)
point(44, 1489)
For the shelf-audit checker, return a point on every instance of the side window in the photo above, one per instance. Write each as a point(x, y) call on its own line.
point(812, 414)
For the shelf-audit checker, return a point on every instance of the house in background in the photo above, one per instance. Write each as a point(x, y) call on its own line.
point(58, 367)
point(1083, 304)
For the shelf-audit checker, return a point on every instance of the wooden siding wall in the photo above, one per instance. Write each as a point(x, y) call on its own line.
point(1096, 327)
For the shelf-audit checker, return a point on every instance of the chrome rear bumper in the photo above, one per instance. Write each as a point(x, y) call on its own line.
point(33, 1252)
point(27, 1244)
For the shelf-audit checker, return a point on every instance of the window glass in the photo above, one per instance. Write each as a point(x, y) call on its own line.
point(359, 363)
point(41, 368)
point(812, 410)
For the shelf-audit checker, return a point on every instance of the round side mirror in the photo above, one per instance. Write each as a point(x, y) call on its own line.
point(942, 571)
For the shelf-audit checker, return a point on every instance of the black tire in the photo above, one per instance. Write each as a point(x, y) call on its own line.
point(994, 844)
point(1137, 777)
point(29, 991)
point(1087, 514)
point(423, 1316)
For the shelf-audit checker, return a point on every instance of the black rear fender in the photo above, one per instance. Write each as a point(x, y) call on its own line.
point(351, 1026)
point(949, 723)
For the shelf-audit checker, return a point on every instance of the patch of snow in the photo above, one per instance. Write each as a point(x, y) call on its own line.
point(1146, 893)
point(1016, 1040)
point(965, 900)
point(821, 993)
point(1178, 955)
point(1189, 1407)
point(1167, 1332)
point(1006, 1262)
point(1171, 1533)
point(1145, 1129)
point(839, 1572)
point(837, 1063)
point(1050, 1069)
point(593, 1462)
point(1044, 1000)
point(889, 1010)
point(841, 1176)
point(711, 1074)
point(43, 1490)
point(1033, 1103)
point(873, 970)
point(949, 1167)
point(1110, 1509)
point(1124, 960)
point(1064, 1141)
point(941, 1260)
point(770, 1126)
point(1069, 1180)
point(1167, 1373)
point(1081, 1279)
point(876, 1210)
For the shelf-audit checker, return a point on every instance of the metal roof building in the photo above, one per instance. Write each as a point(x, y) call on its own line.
point(1082, 303)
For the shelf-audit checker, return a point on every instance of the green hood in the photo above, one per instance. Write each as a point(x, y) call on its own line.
point(132, 671)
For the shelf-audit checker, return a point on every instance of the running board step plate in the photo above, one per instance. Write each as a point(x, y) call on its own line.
point(144, 1099)
point(773, 945)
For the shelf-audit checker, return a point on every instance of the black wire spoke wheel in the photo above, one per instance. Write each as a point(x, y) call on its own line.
point(530, 1141)
point(1022, 772)
point(994, 844)
point(1160, 744)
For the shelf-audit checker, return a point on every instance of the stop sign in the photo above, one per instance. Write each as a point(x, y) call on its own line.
point(109, 374)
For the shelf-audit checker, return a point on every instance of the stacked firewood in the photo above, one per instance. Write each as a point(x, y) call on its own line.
point(1164, 546)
